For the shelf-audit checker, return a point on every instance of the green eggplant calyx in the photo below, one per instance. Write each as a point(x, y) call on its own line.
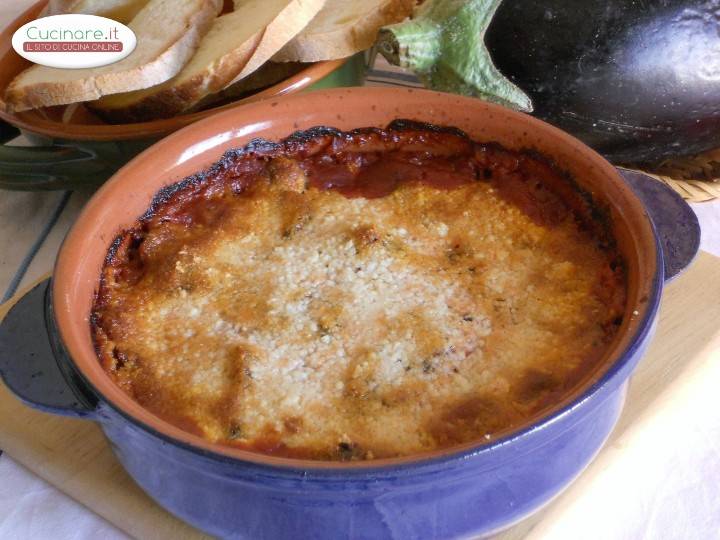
point(413, 44)
point(444, 45)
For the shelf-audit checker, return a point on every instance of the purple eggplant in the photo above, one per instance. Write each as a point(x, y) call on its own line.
point(638, 80)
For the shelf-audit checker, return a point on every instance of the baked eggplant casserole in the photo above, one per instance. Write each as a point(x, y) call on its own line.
point(360, 295)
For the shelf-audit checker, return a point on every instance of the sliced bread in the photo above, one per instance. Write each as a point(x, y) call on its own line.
point(168, 33)
point(288, 24)
point(343, 28)
point(119, 10)
point(238, 43)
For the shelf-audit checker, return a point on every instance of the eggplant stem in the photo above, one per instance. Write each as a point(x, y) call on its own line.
point(444, 45)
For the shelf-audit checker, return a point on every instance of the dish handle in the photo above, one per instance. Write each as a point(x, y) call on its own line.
point(676, 225)
point(33, 364)
point(61, 165)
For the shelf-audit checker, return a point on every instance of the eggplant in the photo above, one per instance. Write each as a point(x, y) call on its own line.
point(638, 80)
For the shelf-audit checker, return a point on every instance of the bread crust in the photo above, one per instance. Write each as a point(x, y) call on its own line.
point(343, 28)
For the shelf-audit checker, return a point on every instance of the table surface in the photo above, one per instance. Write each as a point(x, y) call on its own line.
point(664, 485)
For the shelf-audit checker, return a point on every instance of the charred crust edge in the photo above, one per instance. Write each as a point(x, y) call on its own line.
point(597, 211)
point(404, 124)
point(265, 149)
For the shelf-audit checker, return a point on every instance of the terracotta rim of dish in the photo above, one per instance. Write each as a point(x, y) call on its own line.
point(32, 122)
point(76, 264)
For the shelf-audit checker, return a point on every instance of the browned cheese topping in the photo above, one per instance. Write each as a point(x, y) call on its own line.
point(358, 296)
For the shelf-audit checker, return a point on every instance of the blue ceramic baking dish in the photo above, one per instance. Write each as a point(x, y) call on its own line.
point(476, 489)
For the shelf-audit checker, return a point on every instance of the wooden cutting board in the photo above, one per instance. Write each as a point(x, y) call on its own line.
point(74, 456)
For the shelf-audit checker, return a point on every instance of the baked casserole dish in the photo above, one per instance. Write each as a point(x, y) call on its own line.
point(382, 330)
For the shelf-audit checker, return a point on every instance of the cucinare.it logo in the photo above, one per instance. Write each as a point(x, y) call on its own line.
point(74, 41)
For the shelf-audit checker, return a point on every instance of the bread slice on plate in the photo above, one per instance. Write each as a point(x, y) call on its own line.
point(288, 24)
point(119, 10)
point(238, 43)
point(168, 33)
point(343, 28)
